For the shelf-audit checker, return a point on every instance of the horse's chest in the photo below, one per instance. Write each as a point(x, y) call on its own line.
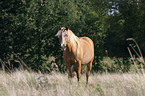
point(69, 57)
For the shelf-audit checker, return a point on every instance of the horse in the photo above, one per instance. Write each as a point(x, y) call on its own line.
point(76, 51)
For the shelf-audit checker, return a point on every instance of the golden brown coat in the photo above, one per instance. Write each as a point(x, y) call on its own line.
point(78, 51)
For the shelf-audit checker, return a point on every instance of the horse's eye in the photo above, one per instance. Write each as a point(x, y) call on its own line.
point(66, 35)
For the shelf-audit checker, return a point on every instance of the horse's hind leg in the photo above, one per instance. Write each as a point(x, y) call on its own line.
point(89, 67)
point(78, 70)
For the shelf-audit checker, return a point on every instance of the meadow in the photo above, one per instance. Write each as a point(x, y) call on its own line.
point(24, 83)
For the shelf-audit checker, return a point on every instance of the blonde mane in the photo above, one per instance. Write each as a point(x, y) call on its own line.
point(72, 39)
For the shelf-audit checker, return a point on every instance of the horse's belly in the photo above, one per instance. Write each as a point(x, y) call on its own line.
point(88, 50)
point(87, 58)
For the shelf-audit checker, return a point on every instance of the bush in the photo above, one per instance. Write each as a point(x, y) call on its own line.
point(119, 65)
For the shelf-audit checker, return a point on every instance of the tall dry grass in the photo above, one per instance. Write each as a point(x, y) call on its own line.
point(24, 83)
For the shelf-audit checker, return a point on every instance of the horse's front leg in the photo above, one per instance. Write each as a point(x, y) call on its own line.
point(69, 72)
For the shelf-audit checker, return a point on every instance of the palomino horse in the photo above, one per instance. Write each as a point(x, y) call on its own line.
point(76, 51)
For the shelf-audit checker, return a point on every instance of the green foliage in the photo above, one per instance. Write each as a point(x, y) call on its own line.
point(120, 65)
point(28, 29)
point(114, 65)
point(127, 21)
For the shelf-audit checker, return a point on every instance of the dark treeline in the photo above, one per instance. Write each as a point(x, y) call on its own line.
point(28, 28)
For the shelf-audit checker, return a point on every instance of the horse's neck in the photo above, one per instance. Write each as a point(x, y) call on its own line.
point(72, 42)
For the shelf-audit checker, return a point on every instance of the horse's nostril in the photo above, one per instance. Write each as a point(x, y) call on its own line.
point(63, 47)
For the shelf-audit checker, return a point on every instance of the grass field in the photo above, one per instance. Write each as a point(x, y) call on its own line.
point(24, 83)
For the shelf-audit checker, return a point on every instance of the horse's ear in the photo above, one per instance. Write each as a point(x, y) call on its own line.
point(66, 27)
point(59, 27)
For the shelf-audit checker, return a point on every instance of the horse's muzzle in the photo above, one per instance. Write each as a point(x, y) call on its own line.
point(63, 47)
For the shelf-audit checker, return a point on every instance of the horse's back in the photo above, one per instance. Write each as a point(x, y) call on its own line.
point(88, 40)
point(88, 49)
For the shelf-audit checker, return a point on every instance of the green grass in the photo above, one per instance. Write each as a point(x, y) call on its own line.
point(24, 83)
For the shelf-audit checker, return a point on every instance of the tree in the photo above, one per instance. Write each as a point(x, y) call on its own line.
point(28, 29)
point(125, 23)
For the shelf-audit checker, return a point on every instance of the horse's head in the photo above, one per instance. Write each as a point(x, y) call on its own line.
point(62, 34)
